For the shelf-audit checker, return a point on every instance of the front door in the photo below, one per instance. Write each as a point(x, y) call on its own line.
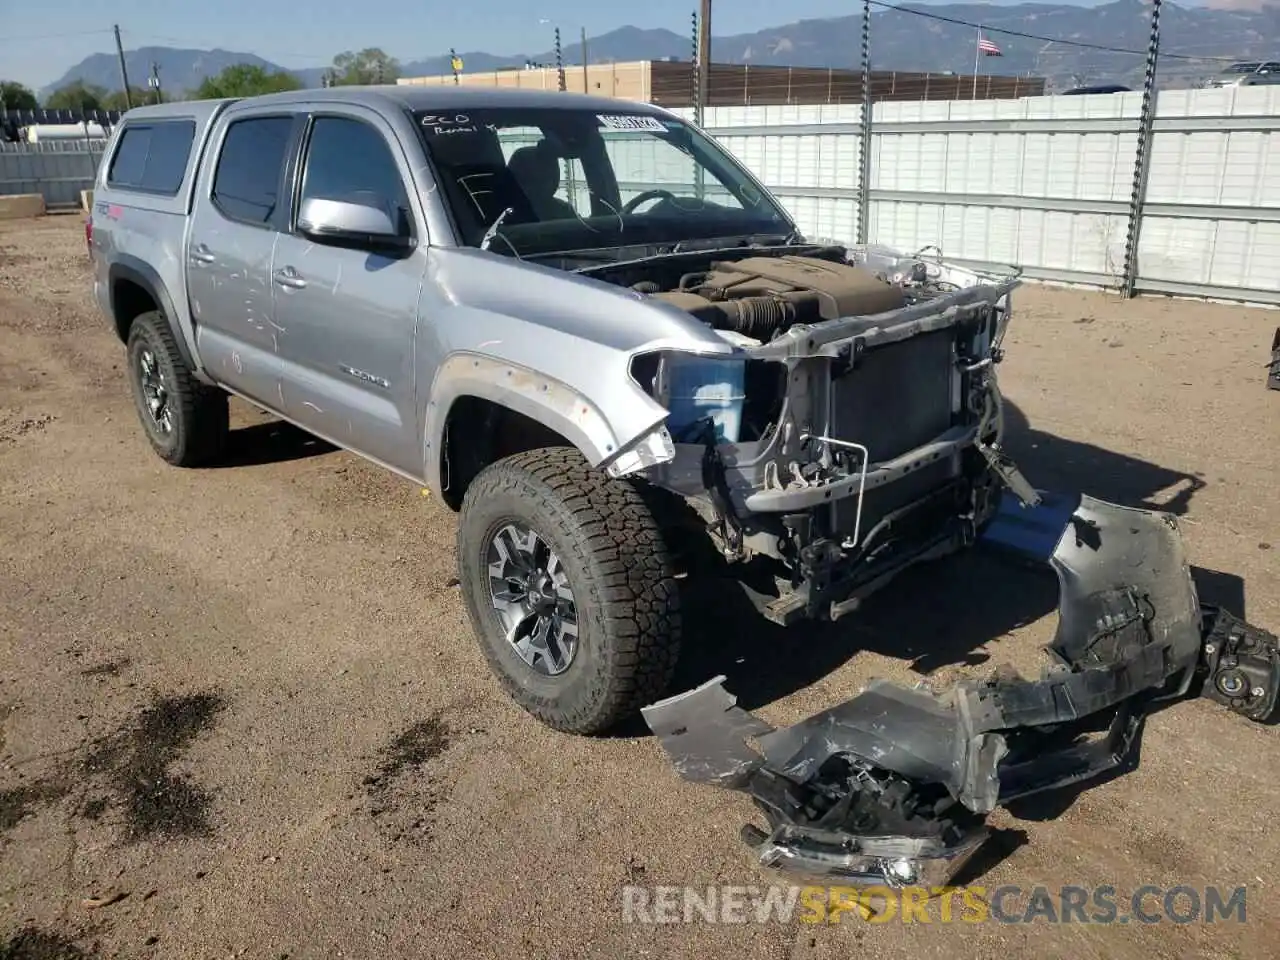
point(230, 245)
point(345, 317)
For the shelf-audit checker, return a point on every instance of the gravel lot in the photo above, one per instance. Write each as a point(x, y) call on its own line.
point(241, 713)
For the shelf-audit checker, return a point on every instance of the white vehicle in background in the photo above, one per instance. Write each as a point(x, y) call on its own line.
point(1248, 74)
point(46, 132)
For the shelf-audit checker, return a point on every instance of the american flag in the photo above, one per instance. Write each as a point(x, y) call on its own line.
point(987, 48)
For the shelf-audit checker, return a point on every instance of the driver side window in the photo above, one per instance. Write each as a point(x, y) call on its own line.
point(643, 163)
point(349, 160)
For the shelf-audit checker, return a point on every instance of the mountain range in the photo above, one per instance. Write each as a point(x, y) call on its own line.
point(901, 40)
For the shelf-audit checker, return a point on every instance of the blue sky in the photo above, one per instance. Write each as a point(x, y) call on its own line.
point(43, 39)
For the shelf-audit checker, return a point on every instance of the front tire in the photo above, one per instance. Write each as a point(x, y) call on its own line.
point(570, 589)
point(186, 421)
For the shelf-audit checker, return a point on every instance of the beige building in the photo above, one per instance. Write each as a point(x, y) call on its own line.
point(626, 81)
point(669, 83)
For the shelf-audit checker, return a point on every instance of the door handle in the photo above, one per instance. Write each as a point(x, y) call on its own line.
point(288, 277)
point(202, 254)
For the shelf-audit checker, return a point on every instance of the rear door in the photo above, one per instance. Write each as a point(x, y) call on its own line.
point(345, 316)
point(240, 206)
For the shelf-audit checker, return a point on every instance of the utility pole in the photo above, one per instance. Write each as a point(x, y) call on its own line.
point(586, 79)
point(704, 55)
point(153, 81)
point(124, 74)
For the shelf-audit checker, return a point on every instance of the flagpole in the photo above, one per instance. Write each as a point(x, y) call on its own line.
point(977, 52)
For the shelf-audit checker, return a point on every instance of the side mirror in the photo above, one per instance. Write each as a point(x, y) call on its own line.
point(358, 225)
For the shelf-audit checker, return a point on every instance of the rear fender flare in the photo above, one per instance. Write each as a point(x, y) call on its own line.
point(145, 276)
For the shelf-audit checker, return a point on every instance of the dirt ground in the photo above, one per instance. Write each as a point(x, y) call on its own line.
point(242, 715)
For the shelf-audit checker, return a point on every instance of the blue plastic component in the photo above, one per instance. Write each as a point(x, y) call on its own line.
point(1031, 532)
point(702, 387)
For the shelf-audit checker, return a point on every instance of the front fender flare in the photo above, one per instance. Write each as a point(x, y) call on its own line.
point(550, 402)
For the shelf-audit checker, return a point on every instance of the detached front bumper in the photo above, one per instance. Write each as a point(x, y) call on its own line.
point(892, 786)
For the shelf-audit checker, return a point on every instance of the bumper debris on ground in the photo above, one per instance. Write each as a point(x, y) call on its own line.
point(892, 786)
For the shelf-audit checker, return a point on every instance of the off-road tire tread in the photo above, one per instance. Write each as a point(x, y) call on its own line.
point(616, 536)
point(201, 412)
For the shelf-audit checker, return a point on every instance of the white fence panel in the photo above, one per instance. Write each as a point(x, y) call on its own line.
point(1044, 183)
point(1223, 157)
point(808, 158)
point(997, 181)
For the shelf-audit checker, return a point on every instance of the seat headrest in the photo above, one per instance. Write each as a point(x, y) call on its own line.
point(536, 169)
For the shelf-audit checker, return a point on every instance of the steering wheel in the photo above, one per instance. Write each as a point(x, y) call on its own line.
point(631, 205)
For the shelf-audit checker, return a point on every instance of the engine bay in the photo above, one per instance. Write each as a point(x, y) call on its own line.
point(851, 430)
point(763, 293)
point(760, 296)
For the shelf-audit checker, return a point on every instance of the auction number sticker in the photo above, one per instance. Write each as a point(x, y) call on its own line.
point(621, 121)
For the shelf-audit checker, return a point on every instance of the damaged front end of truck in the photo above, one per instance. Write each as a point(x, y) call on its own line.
point(854, 429)
point(883, 449)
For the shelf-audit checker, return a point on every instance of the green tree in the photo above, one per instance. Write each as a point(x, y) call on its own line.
point(370, 65)
point(76, 95)
point(137, 97)
point(245, 80)
point(16, 96)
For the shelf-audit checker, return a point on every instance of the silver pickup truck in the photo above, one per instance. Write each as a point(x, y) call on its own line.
point(587, 328)
point(553, 311)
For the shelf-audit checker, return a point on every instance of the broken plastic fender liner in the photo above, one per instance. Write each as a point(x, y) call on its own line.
point(704, 730)
point(897, 772)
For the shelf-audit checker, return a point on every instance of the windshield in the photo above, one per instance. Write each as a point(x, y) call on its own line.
point(535, 182)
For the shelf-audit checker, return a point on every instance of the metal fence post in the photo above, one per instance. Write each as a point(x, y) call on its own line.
point(864, 141)
point(560, 79)
point(1142, 160)
point(696, 76)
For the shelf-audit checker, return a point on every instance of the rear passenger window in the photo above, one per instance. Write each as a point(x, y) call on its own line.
point(152, 157)
point(246, 183)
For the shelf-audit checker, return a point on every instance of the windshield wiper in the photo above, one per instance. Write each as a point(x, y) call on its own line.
point(594, 256)
point(492, 232)
point(701, 246)
point(751, 240)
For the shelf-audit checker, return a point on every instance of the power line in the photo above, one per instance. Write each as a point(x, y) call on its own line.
point(56, 36)
point(1035, 36)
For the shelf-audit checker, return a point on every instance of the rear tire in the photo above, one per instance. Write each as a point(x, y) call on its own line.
point(606, 590)
point(186, 421)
